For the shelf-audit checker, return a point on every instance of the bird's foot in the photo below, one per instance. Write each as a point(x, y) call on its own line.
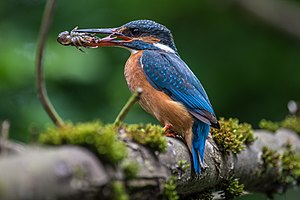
point(167, 127)
point(168, 132)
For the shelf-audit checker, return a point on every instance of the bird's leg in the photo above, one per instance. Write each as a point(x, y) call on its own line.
point(168, 132)
point(167, 127)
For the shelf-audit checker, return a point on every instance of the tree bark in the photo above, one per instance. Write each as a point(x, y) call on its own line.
point(75, 173)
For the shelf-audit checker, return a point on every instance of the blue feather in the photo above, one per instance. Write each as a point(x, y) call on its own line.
point(200, 131)
point(168, 73)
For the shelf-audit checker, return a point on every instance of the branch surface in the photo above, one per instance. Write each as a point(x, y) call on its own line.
point(74, 172)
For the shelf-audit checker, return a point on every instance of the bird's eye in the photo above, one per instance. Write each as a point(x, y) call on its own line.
point(135, 32)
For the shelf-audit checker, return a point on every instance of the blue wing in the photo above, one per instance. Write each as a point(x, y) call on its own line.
point(168, 73)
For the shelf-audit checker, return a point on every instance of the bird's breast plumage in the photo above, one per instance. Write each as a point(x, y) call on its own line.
point(156, 102)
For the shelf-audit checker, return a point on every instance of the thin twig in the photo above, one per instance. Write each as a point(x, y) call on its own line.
point(131, 101)
point(42, 92)
point(4, 136)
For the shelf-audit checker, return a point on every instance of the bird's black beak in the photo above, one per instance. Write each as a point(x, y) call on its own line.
point(114, 38)
point(97, 30)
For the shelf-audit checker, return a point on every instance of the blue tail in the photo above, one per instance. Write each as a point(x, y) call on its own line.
point(200, 133)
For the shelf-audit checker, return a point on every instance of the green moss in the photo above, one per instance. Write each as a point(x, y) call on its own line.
point(232, 188)
point(181, 169)
point(268, 125)
point(290, 122)
point(270, 158)
point(118, 191)
point(233, 136)
point(78, 172)
point(170, 192)
point(183, 165)
point(130, 169)
point(290, 163)
point(149, 135)
point(93, 135)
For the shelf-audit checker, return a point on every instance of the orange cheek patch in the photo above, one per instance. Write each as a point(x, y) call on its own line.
point(149, 39)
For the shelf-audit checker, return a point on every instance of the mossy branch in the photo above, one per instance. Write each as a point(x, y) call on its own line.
point(78, 171)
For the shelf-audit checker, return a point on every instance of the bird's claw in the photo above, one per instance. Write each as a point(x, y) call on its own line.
point(168, 132)
point(167, 128)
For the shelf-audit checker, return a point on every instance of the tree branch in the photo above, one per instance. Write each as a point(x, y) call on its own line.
point(41, 173)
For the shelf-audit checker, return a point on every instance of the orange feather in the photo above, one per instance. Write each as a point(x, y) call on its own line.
point(157, 103)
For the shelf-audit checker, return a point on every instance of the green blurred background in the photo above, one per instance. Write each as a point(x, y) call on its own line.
point(249, 68)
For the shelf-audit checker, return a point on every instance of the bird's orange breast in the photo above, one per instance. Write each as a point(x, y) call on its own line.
point(157, 103)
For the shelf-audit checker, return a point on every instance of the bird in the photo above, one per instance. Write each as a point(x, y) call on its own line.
point(171, 91)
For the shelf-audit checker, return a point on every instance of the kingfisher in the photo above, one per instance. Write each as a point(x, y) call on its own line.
point(171, 91)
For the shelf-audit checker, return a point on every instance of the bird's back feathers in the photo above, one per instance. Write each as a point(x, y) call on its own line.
point(168, 73)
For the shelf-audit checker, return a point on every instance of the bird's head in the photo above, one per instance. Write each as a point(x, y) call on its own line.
point(137, 35)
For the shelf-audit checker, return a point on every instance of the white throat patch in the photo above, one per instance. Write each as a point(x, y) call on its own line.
point(133, 51)
point(164, 47)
